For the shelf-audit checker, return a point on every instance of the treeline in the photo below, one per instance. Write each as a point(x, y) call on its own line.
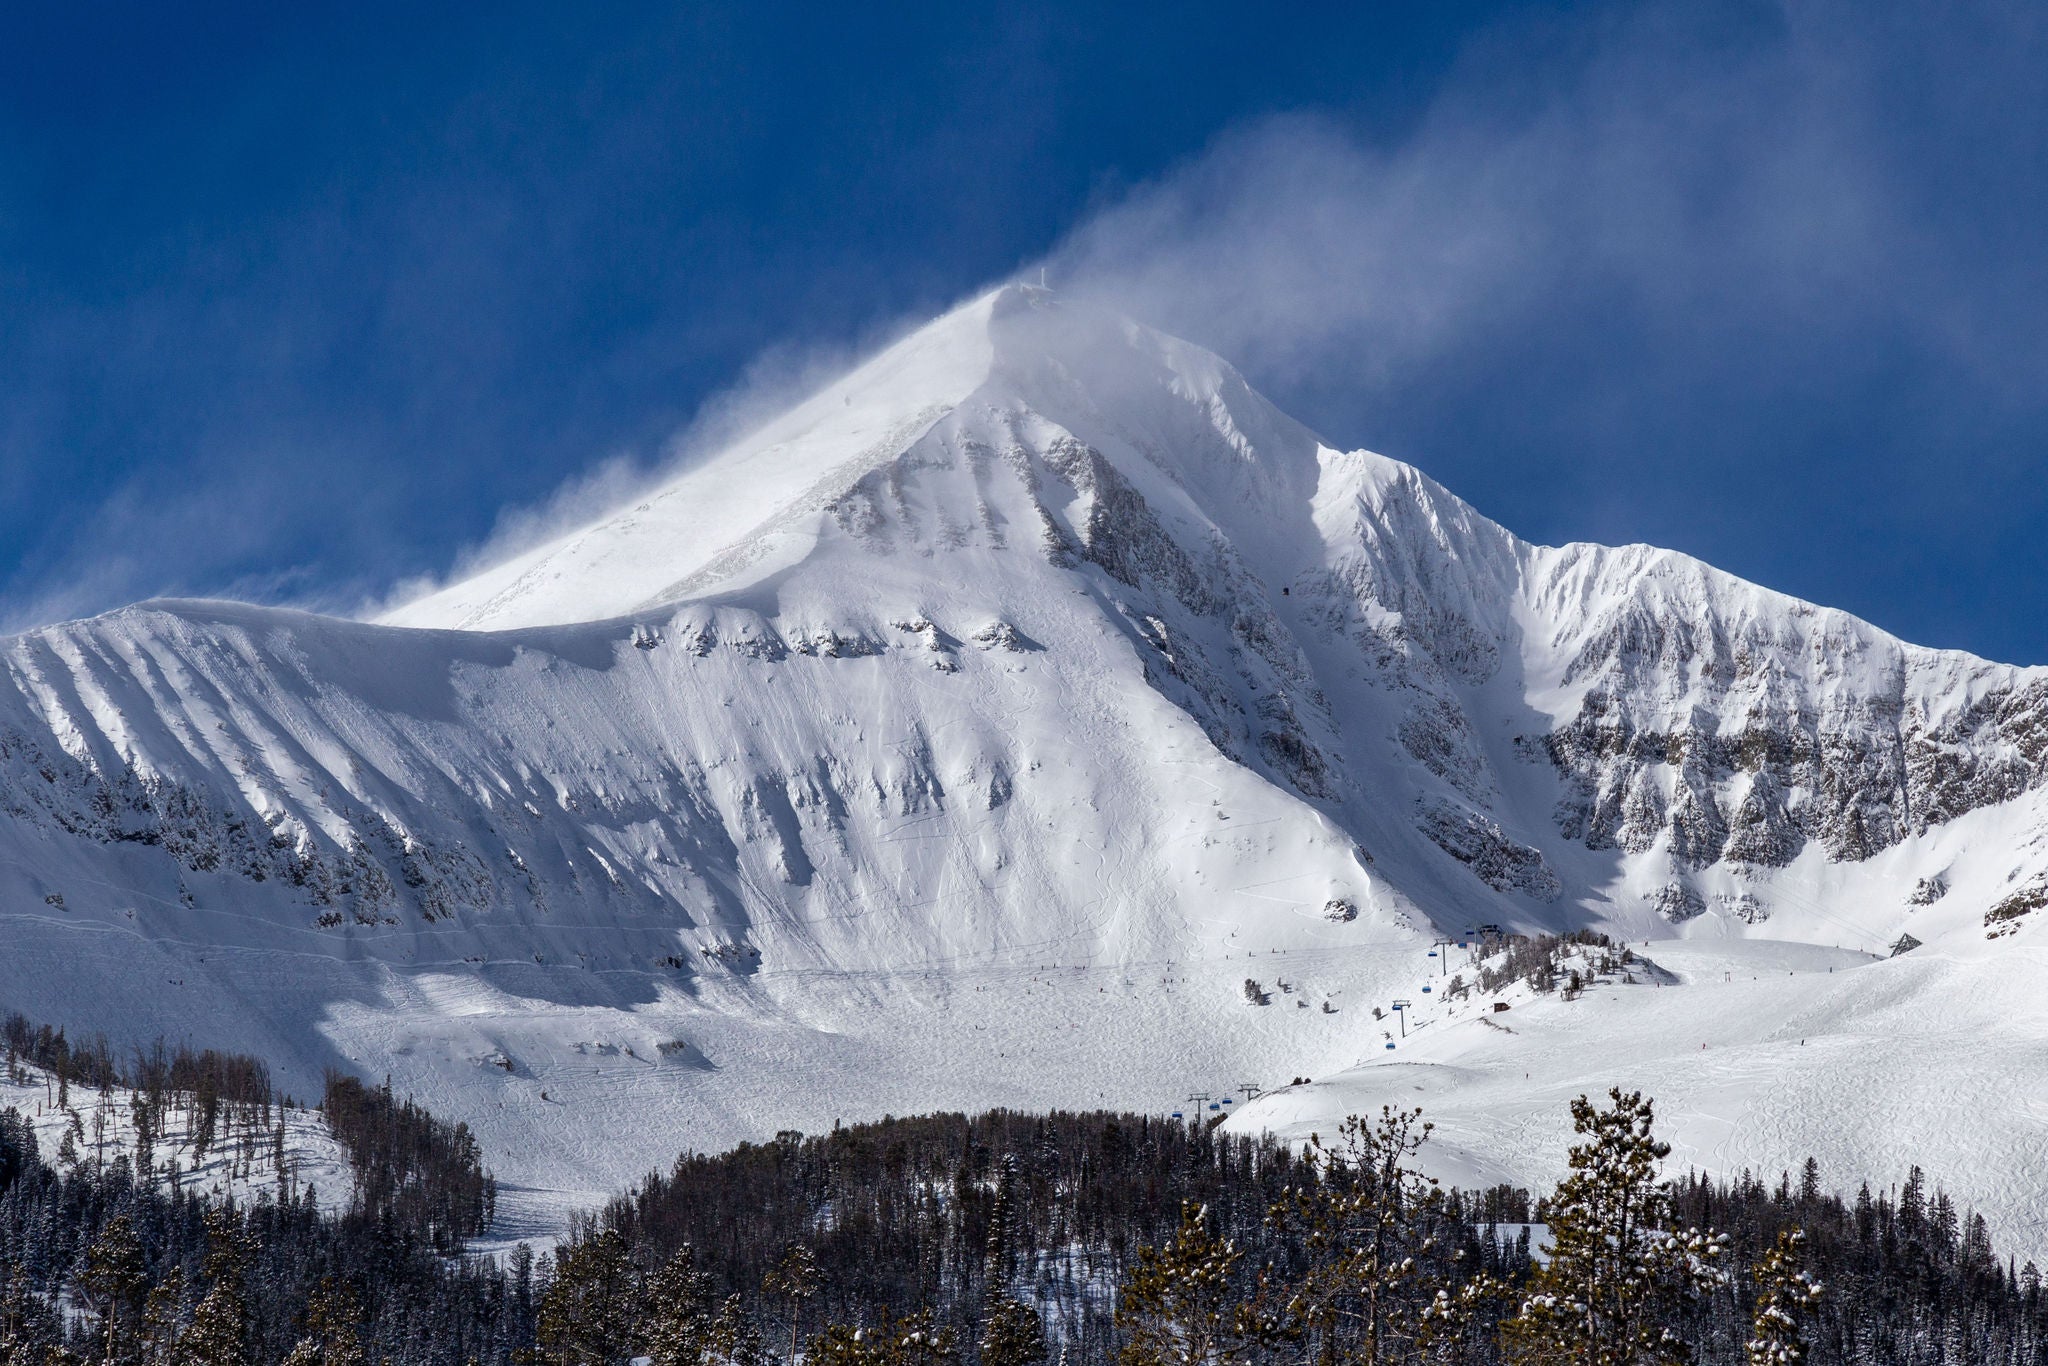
point(224, 1102)
point(1153, 1243)
point(98, 1266)
point(899, 1216)
point(1909, 1277)
point(1011, 1240)
point(410, 1168)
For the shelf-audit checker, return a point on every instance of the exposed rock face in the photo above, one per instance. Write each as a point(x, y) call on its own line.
point(1496, 860)
point(1087, 528)
point(2005, 917)
point(1928, 890)
point(1855, 778)
point(1688, 717)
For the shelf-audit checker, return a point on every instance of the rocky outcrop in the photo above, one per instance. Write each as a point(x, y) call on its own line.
point(1502, 863)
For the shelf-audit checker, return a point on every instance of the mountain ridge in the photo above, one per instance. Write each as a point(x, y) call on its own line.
point(1038, 675)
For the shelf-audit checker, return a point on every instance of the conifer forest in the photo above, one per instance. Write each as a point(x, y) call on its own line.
point(1003, 1239)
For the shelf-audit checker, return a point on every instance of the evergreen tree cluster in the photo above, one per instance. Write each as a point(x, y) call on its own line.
point(1546, 962)
point(1010, 1240)
point(410, 1168)
point(1169, 1244)
point(98, 1266)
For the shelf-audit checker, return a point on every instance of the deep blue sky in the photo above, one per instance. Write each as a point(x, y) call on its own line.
point(296, 301)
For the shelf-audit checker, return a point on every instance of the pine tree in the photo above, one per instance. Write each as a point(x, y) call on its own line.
point(1011, 1334)
point(144, 1118)
point(1784, 1293)
point(1977, 1255)
point(1179, 1303)
point(733, 1340)
point(220, 1321)
point(677, 1317)
point(586, 1314)
point(914, 1340)
point(1377, 1237)
point(162, 1319)
point(333, 1337)
point(1616, 1275)
point(793, 1280)
point(17, 1308)
point(115, 1283)
point(1458, 1326)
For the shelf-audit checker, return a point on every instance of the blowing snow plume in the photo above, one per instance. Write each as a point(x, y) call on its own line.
point(1619, 277)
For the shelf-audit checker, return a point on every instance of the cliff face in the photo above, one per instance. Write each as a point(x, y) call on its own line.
point(1040, 640)
point(1040, 533)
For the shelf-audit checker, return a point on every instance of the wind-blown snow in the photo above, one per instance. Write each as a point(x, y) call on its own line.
point(968, 737)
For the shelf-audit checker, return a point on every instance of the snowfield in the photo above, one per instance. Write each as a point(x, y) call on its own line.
point(971, 734)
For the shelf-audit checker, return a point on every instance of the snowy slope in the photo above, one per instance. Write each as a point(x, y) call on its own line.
point(968, 736)
point(239, 1163)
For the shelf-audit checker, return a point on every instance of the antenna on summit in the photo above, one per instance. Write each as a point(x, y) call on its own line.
point(1041, 278)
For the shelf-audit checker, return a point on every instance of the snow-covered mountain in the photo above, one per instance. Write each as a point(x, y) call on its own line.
point(968, 735)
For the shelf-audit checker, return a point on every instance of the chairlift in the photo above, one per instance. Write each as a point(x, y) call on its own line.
point(1390, 1045)
point(1214, 1106)
point(1177, 1115)
point(1432, 953)
point(1425, 991)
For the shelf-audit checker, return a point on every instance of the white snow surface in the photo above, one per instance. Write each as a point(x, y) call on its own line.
point(102, 1129)
point(968, 737)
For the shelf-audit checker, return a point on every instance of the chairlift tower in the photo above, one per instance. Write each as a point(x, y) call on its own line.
point(1251, 1090)
point(1443, 949)
point(1401, 1009)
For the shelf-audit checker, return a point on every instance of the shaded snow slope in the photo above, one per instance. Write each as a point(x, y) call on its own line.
point(970, 732)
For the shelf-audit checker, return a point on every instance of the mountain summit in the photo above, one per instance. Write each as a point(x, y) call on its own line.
point(1014, 722)
point(1010, 370)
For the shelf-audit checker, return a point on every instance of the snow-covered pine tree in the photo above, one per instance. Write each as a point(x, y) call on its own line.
point(161, 1318)
point(219, 1331)
point(115, 1284)
point(1457, 1326)
point(1377, 1238)
point(1011, 1334)
point(913, 1340)
point(1785, 1294)
point(585, 1316)
point(732, 1339)
point(333, 1329)
point(1617, 1275)
point(677, 1314)
point(1179, 1304)
point(794, 1281)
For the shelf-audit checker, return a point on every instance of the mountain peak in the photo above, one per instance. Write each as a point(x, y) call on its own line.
point(1019, 350)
